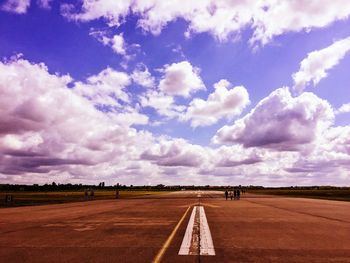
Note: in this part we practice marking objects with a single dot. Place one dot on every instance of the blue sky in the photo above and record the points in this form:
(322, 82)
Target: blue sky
(78, 40)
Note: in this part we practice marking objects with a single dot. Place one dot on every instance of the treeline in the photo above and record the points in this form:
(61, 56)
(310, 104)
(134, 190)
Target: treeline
(49, 187)
(81, 187)
(326, 187)
(160, 187)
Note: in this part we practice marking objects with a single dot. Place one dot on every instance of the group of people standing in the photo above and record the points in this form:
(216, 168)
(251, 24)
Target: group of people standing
(235, 194)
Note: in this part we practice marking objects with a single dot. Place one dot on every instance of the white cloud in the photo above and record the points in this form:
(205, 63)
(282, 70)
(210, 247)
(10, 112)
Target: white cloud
(107, 91)
(236, 155)
(16, 6)
(162, 103)
(280, 122)
(22, 6)
(317, 63)
(116, 42)
(223, 102)
(143, 77)
(129, 116)
(51, 129)
(175, 152)
(345, 108)
(105, 88)
(276, 17)
(112, 11)
(330, 159)
(46, 4)
(180, 79)
(51, 132)
(336, 140)
(222, 19)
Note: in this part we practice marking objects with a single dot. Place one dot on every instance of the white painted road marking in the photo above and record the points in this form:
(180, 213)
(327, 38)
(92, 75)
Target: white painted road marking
(189, 244)
(186, 242)
(206, 246)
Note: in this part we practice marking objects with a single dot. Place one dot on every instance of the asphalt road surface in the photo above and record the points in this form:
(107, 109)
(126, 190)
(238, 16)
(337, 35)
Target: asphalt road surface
(256, 228)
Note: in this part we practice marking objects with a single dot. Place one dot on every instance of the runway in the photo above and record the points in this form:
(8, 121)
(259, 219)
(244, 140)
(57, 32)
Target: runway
(256, 228)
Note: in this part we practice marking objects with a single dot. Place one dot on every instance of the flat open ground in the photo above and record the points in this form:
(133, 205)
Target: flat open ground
(256, 228)
(24, 198)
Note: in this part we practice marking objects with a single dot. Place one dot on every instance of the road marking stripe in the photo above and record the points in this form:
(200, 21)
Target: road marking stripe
(186, 242)
(206, 246)
(206, 242)
(166, 244)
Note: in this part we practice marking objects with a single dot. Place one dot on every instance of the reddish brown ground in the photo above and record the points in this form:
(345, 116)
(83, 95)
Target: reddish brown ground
(254, 229)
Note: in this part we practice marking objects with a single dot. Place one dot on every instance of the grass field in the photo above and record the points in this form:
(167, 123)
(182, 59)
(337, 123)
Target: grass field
(40, 198)
(334, 194)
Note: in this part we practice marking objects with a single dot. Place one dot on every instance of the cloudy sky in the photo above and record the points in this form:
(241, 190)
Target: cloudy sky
(175, 92)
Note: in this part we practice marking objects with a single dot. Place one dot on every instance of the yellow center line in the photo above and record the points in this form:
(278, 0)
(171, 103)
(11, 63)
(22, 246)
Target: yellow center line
(166, 244)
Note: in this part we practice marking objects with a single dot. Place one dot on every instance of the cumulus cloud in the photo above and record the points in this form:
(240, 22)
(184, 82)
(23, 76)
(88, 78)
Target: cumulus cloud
(276, 17)
(46, 4)
(336, 139)
(107, 92)
(330, 160)
(317, 64)
(180, 79)
(223, 102)
(162, 103)
(175, 152)
(345, 108)
(116, 42)
(236, 155)
(16, 6)
(22, 6)
(105, 88)
(222, 19)
(280, 122)
(52, 129)
(112, 11)
(143, 77)
(128, 116)
(54, 132)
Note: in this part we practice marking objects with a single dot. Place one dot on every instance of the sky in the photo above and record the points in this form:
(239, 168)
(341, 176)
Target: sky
(143, 92)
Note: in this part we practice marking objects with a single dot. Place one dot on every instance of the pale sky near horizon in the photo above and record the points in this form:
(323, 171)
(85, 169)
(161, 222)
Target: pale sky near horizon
(175, 92)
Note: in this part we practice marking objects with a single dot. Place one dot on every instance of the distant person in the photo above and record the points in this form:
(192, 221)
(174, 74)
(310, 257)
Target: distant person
(226, 194)
(231, 195)
(86, 193)
(238, 194)
(235, 194)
